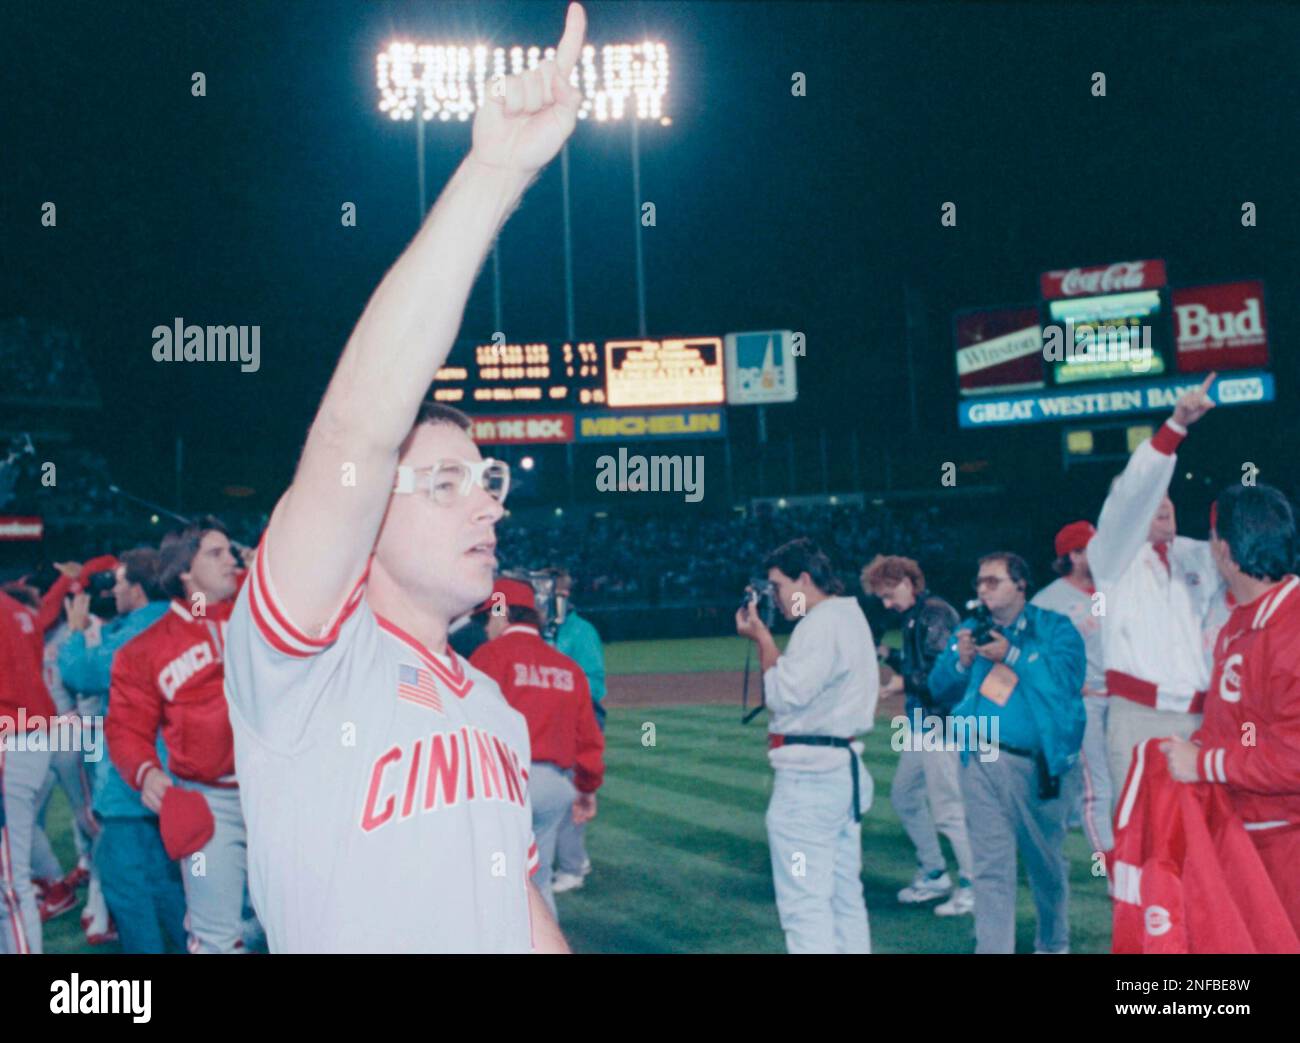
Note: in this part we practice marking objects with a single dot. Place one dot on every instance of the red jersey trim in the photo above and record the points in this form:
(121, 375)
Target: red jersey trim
(452, 676)
(273, 621)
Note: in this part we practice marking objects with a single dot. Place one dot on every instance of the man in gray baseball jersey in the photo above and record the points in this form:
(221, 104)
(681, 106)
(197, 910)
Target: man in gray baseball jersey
(1074, 596)
(384, 781)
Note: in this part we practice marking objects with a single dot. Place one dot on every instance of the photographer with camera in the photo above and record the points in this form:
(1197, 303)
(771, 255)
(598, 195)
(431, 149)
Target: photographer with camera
(141, 885)
(820, 692)
(926, 792)
(1019, 671)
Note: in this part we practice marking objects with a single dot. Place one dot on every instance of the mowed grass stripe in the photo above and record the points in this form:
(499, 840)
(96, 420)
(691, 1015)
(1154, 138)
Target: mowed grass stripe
(716, 838)
(694, 903)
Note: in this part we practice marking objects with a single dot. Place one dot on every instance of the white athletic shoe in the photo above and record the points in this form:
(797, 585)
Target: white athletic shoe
(566, 882)
(925, 888)
(962, 903)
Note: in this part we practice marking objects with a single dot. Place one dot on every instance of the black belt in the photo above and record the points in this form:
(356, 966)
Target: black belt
(777, 741)
(1017, 751)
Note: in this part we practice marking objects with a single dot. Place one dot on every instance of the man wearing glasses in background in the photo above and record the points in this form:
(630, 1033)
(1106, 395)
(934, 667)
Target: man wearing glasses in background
(1019, 672)
(384, 780)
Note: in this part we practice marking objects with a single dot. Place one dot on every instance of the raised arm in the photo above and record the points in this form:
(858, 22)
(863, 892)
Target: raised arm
(1136, 494)
(324, 527)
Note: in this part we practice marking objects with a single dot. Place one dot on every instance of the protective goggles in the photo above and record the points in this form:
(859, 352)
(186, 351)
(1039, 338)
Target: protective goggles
(446, 480)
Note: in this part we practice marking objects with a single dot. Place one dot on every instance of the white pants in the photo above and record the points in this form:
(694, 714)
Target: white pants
(817, 860)
(22, 775)
(1129, 723)
(215, 877)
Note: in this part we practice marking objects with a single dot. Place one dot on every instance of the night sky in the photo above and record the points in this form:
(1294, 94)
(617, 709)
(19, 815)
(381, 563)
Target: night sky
(773, 211)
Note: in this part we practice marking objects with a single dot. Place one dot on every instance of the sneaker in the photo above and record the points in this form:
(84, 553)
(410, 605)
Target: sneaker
(79, 875)
(925, 887)
(42, 884)
(102, 937)
(962, 903)
(566, 882)
(59, 899)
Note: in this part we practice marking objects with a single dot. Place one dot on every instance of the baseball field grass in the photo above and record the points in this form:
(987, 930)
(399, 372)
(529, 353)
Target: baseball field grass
(679, 847)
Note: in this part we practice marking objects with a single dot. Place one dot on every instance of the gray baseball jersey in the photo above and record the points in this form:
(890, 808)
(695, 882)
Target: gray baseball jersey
(1077, 605)
(385, 788)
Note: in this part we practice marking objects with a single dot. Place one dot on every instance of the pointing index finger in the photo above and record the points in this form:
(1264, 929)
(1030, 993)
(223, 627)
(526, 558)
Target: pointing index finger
(570, 45)
(1205, 384)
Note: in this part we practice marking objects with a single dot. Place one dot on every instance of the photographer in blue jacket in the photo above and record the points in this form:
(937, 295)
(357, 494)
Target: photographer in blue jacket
(141, 884)
(1018, 670)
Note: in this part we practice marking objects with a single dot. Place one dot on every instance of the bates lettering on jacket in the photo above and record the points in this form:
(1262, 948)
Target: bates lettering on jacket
(530, 675)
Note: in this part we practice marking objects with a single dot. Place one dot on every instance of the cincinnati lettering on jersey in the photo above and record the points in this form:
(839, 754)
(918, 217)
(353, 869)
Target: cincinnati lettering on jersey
(439, 772)
(529, 675)
(183, 667)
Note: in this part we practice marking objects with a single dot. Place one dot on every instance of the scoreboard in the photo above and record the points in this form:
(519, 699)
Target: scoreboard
(564, 375)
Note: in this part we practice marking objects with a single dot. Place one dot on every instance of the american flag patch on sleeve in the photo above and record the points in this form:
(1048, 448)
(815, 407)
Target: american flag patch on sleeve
(416, 686)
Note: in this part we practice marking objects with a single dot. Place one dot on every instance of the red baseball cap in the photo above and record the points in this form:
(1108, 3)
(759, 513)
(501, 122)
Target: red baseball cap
(516, 593)
(185, 822)
(1074, 536)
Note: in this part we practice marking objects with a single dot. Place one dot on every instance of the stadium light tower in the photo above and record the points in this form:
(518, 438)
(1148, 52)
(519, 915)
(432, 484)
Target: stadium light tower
(448, 82)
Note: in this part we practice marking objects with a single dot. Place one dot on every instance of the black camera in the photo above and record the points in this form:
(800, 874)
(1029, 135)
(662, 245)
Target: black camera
(762, 594)
(985, 627)
(100, 588)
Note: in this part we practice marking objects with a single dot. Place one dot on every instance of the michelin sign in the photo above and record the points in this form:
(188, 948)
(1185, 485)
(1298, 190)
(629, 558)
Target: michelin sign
(760, 368)
(1239, 389)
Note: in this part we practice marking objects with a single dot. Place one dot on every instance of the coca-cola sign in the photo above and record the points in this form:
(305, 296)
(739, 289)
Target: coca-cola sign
(1220, 327)
(1122, 277)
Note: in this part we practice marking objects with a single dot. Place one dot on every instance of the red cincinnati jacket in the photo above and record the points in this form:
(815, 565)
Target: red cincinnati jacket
(172, 676)
(22, 653)
(1184, 874)
(1251, 731)
(551, 691)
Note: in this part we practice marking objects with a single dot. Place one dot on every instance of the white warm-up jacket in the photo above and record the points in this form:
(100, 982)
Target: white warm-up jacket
(1160, 622)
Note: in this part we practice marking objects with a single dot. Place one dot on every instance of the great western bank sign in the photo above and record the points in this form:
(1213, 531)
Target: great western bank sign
(1113, 400)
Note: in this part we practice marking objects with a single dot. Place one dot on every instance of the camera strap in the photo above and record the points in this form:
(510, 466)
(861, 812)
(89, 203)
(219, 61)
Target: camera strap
(746, 714)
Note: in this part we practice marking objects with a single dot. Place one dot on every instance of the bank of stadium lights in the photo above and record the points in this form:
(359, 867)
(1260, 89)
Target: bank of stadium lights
(450, 81)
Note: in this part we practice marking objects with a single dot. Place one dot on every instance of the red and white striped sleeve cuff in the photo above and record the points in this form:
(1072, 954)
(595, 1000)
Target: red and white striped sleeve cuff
(143, 770)
(269, 614)
(1167, 439)
(1209, 765)
(534, 862)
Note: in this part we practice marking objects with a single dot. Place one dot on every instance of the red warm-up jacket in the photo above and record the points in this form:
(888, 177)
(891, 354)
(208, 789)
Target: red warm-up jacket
(1185, 876)
(22, 652)
(551, 691)
(172, 676)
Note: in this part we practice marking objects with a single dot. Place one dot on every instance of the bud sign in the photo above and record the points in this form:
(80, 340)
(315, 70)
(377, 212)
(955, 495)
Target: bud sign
(1220, 327)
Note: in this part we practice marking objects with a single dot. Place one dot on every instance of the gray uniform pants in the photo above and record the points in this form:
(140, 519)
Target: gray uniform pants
(926, 796)
(22, 775)
(1004, 813)
(552, 796)
(1129, 723)
(215, 877)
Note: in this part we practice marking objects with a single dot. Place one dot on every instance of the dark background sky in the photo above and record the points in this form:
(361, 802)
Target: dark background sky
(809, 213)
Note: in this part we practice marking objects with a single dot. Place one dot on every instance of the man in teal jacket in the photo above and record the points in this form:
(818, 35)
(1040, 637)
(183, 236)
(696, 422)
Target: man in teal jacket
(577, 639)
(142, 886)
(1021, 694)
